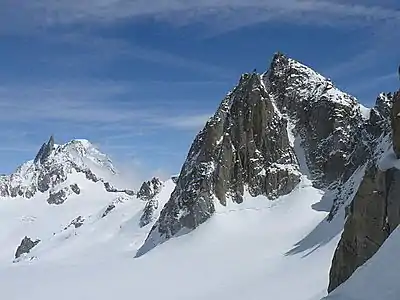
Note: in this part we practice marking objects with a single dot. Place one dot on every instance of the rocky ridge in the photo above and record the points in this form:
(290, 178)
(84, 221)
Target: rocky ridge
(149, 192)
(271, 129)
(52, 167)
(374, 213)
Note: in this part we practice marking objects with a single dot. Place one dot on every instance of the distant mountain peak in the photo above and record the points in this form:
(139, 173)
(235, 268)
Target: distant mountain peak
(52, 167)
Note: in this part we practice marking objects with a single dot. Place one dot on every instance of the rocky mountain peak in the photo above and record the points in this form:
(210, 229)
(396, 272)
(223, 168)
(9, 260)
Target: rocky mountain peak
(244, 146)
(249, 144)
(45, 151)
(328, 121)
(266, 130)
(52, 169)
(149, 189)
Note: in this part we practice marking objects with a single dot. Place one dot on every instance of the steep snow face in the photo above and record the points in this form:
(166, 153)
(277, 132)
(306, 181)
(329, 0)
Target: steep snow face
(377, 278)
(52, 169)
(252, 250)
(85, 155)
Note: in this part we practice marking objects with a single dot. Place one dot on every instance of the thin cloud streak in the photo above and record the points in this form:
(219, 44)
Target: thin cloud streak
(48, 13)
(107, 49)
(95, 103)
(371, 84)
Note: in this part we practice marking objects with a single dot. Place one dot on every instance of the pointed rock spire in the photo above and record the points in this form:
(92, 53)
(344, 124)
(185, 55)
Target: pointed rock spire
(45, 151)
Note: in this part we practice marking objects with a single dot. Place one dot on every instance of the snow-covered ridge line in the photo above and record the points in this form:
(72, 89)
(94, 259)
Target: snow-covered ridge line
(52, 167)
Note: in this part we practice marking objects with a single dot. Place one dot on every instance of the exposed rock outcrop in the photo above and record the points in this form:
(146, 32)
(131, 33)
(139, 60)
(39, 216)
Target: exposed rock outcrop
(249, 144)
(148, 212)
(26, 246)
(149, 192)
(76, 223)
(112, 189)
(149, 189)
(328, 121)
(45, 151)
(396, 124)
(58, 197)
(373, 214)
(245, 144)
(75, 188)
(108, 210)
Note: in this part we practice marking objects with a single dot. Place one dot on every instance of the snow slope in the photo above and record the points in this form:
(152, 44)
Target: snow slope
(37, 219)
(260, 249)
(377, 278)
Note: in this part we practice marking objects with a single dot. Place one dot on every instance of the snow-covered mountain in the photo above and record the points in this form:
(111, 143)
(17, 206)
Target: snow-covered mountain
(55, 170)
(257, 211)
(65, 187)
(267, 132)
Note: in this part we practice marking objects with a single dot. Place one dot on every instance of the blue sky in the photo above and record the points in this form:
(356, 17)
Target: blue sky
(139, 78)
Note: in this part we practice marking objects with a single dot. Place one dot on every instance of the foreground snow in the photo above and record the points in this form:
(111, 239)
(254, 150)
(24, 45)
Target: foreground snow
(260, 249)
(377, 278)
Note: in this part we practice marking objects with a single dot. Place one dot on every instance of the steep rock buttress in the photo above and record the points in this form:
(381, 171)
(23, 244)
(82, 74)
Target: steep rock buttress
(250, 144)
(244, 145)
(374, 212)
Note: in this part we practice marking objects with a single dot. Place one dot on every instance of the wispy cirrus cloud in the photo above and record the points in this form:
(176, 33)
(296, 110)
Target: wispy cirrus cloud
(93, 102)
(97, 110)
(45, 13)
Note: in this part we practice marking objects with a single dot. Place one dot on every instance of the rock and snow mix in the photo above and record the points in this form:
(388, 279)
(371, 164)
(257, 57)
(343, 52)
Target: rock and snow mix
(266, 184)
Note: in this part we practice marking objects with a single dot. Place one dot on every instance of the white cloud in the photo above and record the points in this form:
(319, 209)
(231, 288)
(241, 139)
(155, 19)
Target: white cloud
(191, 121)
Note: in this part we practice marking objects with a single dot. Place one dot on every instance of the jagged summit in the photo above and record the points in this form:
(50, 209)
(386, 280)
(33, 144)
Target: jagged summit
(44, 151)
(53, 168)
(271, 129)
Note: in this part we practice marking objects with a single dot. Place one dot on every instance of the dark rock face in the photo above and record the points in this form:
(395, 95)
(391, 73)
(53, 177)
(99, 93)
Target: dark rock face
(77, 222)
(396, 124)
(75, 188)
(149, 189)
(380, 115)
(245, 144)
(112, 189)
(108, 210)
(372, 216)
(58, 198)
(329, 122)
(45, 151)
(26, 246)
(109, 187)
(372, 131)
(40, 153)
(148, 212)
(148, 192)
(88, 173)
